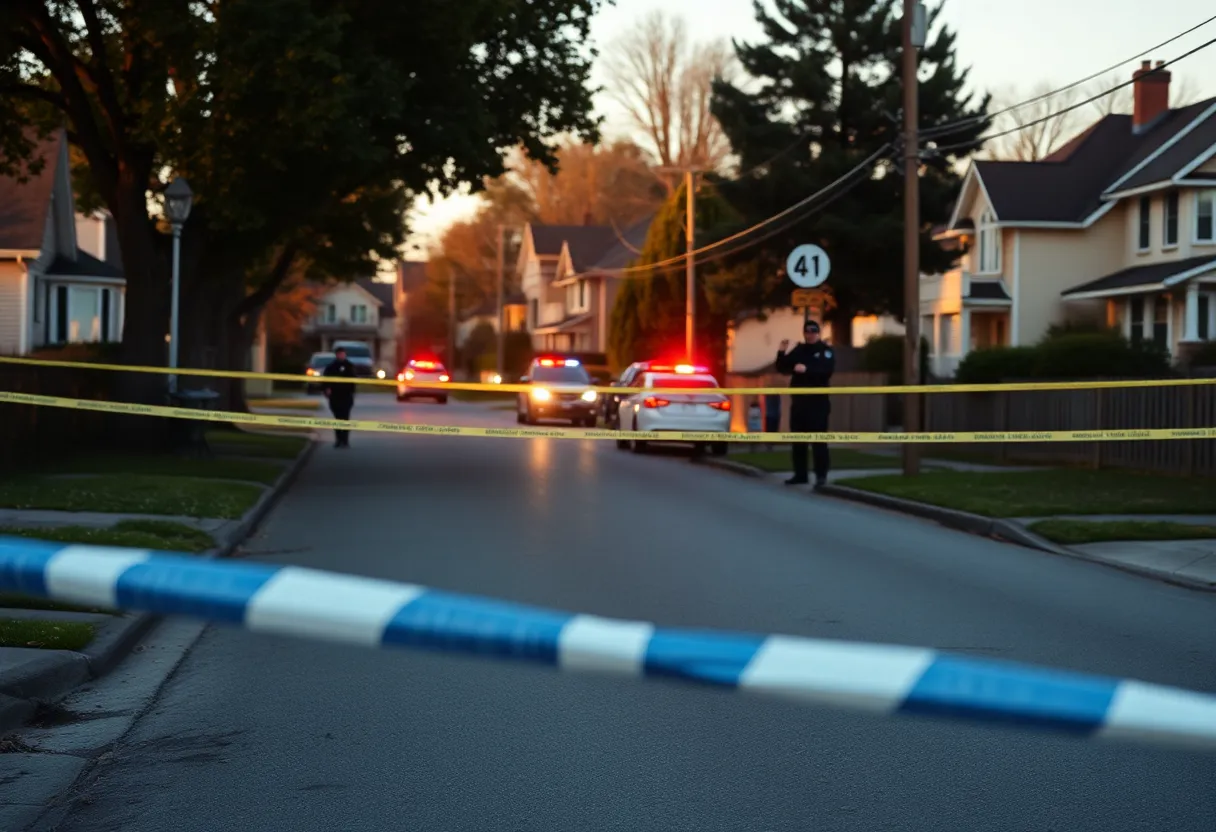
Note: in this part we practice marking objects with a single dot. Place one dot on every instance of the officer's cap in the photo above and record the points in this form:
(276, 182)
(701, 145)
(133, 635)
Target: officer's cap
(810, 326)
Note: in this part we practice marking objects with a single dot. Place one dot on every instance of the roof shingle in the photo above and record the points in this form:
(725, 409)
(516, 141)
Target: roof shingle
(1153, 274)
(24, 205)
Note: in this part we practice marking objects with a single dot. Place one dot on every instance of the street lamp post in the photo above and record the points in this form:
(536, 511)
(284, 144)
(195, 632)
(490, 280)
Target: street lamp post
(178, 199)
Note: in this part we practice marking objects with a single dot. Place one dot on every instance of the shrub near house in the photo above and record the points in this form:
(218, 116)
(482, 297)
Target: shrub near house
(1066, 356)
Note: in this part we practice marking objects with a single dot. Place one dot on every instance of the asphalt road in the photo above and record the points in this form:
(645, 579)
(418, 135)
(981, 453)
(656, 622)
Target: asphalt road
(261, 733)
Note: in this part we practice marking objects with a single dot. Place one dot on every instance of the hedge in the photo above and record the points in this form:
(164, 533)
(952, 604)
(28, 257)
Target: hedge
(1065, 357)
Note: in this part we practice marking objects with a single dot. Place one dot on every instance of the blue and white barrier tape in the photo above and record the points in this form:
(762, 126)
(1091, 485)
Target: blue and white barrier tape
(879, 678)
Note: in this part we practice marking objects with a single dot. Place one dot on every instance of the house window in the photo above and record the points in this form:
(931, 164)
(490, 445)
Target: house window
(989, 243)
(1205, 303)
(358, 313)
(1136, 319)
(61, 315)
(945, 334)
(1169, 225)
(330, 313)
(1144, 237)
(1205, 208)
(532, 313)
(105, 316)
(582, 294)
(1161, 322)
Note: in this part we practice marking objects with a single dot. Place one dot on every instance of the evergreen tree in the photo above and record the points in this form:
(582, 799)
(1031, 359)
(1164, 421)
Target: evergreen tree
(824, 93)
(648, 316)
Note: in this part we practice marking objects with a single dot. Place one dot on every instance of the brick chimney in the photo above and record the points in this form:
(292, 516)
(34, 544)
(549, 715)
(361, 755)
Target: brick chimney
(1152, 95)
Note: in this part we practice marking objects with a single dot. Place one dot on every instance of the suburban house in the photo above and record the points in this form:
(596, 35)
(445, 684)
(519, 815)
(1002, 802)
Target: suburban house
(372, 310)
(1117, 226)
(61, 278)
(514, 312)
(569, 277)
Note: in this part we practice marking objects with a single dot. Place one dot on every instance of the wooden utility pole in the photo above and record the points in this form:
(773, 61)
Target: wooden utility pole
(502, 317)
(913, 38)
(451, 356)
(690, 267)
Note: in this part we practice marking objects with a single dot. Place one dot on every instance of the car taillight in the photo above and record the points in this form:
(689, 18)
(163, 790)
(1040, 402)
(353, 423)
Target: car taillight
(720, 405)
(445, 377)
(654, 401)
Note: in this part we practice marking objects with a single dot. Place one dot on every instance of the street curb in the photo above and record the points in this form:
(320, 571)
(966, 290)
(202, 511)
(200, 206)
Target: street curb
(1006, 530)
(734, 467)
(113, 643)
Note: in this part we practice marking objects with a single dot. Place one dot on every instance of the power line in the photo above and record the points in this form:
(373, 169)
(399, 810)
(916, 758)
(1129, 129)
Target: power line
(966, 123)
(866, 165)
(1078, 105)
(842, 191)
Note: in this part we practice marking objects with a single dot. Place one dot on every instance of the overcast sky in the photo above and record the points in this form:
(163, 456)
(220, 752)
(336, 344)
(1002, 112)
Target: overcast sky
(1006, 44)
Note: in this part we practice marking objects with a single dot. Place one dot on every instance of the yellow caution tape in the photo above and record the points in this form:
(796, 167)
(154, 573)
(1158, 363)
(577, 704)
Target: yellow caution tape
(738, 391)
(270, 420)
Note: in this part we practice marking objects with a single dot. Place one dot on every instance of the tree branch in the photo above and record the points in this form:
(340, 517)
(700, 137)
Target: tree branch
(37, 93)
(100, 69)
(279, 272)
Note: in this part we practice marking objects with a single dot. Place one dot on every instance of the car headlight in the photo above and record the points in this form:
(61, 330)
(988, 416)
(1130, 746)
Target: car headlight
(409, 374)
(379, 373)
(496, 379)
(589, 396)
(541, 394)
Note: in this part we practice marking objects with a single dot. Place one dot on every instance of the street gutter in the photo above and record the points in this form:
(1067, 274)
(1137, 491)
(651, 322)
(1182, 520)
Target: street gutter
(1008, 531)
(53, 674)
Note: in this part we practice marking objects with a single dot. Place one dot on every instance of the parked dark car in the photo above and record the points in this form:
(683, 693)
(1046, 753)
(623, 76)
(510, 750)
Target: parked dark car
(316, 366)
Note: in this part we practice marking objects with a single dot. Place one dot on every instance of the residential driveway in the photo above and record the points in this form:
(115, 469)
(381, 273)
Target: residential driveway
(254, 732)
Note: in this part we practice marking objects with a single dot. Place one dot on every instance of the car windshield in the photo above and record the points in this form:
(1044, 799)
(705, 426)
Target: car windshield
(321, 359)
(682, 383)
(574, 375)
(357, 351)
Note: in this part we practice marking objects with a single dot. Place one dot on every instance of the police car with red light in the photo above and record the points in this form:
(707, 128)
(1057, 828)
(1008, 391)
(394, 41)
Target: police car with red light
(698, 410)
(423, 379)
(559, 388)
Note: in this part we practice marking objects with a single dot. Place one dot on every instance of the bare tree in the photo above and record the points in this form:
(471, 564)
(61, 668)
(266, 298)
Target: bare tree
(1042, 126)
(663, 82)
(1183, 91)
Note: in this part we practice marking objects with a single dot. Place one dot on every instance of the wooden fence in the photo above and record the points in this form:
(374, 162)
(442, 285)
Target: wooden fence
(849, 413)
(1108, 409)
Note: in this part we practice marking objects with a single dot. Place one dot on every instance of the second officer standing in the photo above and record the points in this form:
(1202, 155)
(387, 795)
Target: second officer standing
(810, 364)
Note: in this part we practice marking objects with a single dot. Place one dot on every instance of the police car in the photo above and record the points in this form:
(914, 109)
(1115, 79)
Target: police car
(630, 378)
(559, 388)
(422, 378)
(698, 410)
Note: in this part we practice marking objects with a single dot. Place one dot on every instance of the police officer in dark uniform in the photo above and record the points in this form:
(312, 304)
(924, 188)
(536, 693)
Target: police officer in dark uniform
(810, 364)
(341, 396)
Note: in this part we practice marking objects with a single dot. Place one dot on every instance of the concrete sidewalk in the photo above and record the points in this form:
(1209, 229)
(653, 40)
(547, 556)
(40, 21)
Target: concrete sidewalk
(32, 677)
(1189, 563)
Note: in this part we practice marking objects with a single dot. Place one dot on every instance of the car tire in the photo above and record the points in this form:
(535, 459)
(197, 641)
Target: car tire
(719, 448)
(590, 422)
(640, 446)
(442, 399)
(402, 398)
(622, 444)
(520, 419)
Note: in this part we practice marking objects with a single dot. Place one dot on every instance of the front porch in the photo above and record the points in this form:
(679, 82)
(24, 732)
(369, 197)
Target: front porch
(574, 334)
(1171, 304)
(961, 313)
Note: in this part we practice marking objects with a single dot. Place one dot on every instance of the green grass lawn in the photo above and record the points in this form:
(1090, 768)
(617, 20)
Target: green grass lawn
(169, 465)
(133, 534)
(48, 635)
(1101, 531)
(1049, 492)
(130, 494)
(246, 443)
(842, 459)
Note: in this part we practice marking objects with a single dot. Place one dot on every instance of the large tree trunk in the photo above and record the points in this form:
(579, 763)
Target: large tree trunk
(145, 319)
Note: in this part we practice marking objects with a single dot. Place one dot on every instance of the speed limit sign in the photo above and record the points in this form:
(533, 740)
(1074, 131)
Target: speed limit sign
(808, 266)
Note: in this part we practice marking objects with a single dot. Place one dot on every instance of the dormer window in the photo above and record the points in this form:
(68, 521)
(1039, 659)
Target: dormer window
(988, 235)
(1144, 234)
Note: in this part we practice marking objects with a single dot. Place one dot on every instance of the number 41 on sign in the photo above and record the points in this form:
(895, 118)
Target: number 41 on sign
(808, 266)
